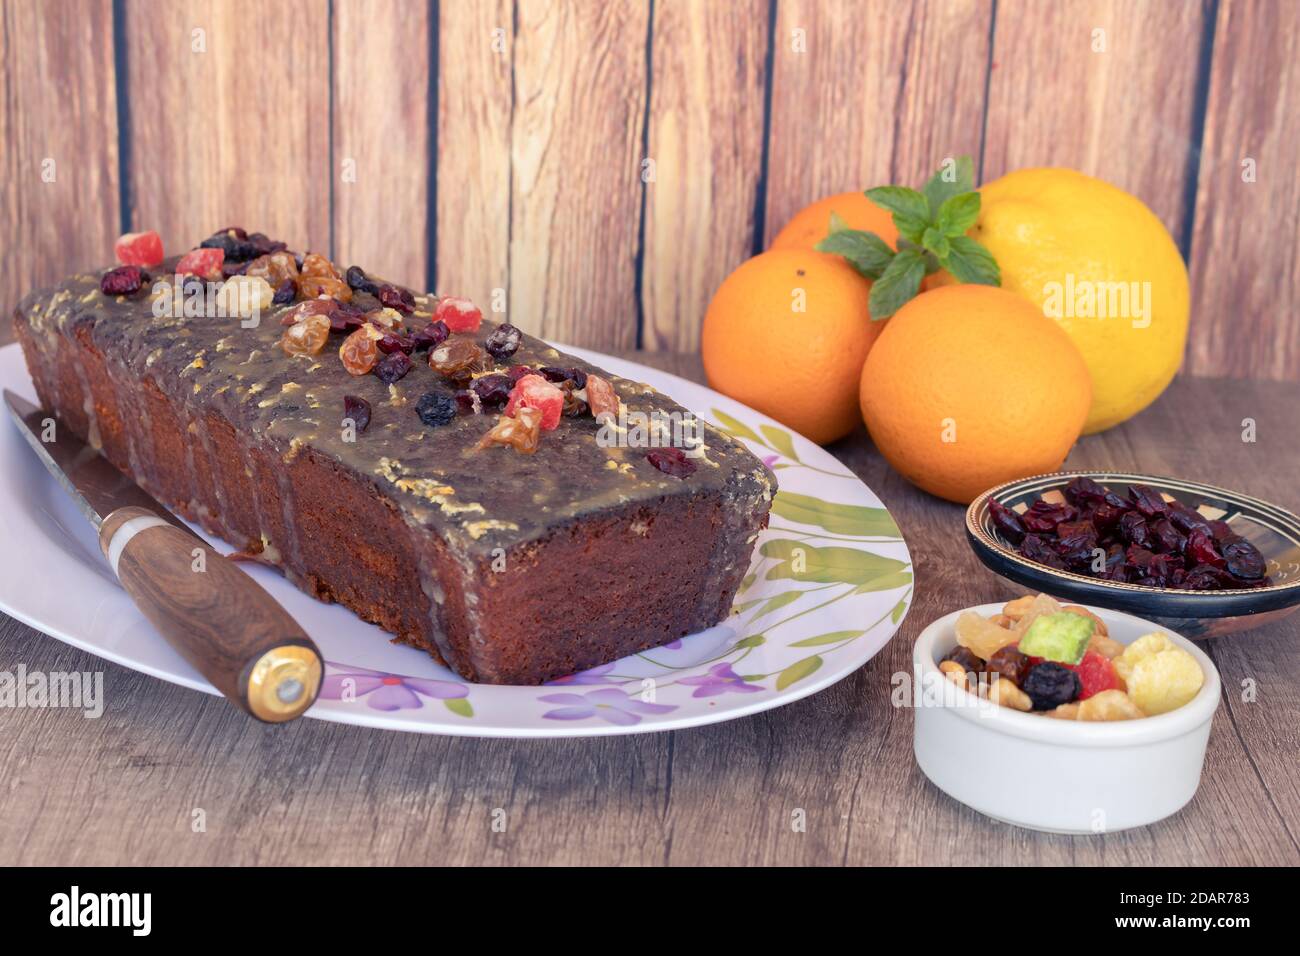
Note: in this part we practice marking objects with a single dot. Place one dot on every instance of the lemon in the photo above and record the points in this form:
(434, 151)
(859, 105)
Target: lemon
(1101, 264)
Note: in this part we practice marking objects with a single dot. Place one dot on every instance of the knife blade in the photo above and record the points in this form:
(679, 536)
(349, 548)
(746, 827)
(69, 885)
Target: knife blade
(219, 619)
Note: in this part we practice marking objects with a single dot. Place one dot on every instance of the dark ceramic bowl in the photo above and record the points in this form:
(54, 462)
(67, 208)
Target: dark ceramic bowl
(1195, 614)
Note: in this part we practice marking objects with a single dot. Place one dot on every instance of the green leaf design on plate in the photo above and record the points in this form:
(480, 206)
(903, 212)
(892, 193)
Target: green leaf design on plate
(887, 583)
(754, 640)
(747, 583)
(780, 440)
(802, 562)
(460, 705)
(836, 518)
(734, 426)
(896, 614)
(834, 637)
(778, 602)
(741, 608)
(797, 671)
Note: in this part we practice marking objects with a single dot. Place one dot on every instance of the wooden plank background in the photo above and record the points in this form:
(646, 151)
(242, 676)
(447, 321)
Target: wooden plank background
(594, 169)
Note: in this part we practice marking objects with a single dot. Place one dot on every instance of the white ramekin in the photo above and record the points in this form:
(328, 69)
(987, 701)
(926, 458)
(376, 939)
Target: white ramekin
(1056, 775)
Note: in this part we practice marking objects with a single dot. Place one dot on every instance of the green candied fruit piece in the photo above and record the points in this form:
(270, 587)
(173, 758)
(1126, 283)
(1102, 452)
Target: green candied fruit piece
(1059, 637)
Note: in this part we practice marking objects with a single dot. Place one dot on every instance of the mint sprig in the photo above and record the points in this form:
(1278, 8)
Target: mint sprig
(932, 225)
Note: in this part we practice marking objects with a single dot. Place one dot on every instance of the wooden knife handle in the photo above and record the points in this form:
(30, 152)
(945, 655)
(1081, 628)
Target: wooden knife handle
(215, 615)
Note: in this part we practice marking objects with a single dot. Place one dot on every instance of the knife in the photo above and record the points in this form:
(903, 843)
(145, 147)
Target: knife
(215, 615)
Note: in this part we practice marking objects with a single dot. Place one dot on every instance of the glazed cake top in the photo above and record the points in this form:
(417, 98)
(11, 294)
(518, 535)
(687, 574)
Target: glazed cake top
(477, 498)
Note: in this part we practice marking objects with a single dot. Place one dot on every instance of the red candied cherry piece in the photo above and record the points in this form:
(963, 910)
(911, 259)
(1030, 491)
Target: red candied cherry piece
(461, 315)
(1096, 674)
(533, 391)
(139, 249)
(204, 263)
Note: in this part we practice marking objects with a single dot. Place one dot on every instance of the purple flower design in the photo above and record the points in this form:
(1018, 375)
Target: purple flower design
(720, 679)
(771, 460)
(383, 691)
(609, 704)
(595, 675)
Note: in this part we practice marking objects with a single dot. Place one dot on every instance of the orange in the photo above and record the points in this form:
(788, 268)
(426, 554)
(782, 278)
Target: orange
(811, 224)
(1102, 265)
(970, 386)
(786, 333)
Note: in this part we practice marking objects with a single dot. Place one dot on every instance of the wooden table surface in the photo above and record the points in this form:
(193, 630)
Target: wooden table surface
(125, 788)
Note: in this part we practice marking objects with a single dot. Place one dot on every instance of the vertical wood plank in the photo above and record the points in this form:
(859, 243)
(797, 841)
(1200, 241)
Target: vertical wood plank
(1117, 104)
(576, 143)
(475, 99)
(230, 119)
(58, 142)
(1246, 239)
(706, 141)
(381, 137)
(867, 92)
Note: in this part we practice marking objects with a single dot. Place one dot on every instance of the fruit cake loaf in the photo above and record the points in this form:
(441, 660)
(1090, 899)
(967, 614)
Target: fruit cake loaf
(462, 485)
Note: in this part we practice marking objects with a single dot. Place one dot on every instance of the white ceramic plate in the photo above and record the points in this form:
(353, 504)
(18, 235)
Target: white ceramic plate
(831, 581)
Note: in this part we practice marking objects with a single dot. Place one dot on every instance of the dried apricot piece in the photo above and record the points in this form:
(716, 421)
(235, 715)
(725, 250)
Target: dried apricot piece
(522, 432)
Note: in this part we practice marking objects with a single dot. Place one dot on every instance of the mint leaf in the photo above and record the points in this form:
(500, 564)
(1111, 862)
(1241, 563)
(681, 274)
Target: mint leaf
(837, 222)
(958, 213)
(899, 283)
(970, 262)
(935, 241)
(865, 251)
(911, 209)
(931, 260)
(952, 179)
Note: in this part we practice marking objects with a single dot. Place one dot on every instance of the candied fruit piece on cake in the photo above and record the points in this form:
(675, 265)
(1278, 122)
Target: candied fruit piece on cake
(139, 249)
(533, 391)
(522, 431)
(461, 315)
(204, 263)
